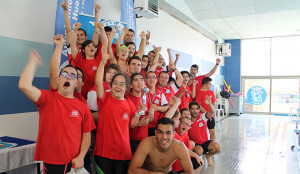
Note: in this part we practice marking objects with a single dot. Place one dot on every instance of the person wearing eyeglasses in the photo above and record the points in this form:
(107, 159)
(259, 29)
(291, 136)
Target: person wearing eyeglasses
(181, 134)
(157, 99)
(65, 122)
(116, 115)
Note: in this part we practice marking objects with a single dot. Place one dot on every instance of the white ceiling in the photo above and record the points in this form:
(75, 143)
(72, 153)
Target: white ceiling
(243, 19)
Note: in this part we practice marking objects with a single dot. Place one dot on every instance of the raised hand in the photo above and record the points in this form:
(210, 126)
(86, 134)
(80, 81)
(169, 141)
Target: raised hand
(218, 61)
(64, 5)
(58, 40)
(100, 26)
(207, 100)
(195, 82)
(143, 35)
(125, 30)
(97, 7)
(177, 56)
(157, 50)
(76, 26)
(169, 50)
(35, 57)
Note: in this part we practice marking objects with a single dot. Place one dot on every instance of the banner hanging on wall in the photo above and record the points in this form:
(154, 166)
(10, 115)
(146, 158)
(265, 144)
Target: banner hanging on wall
(128, 15)
(88, 23)
(74, 7)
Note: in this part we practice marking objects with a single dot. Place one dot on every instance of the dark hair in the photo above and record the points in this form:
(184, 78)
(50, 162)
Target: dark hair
(195, 66)
(171, 79)
(152, 52)
(112, 66)
(147, 61)
(194, 103)
(185, 72)
(79, 69)
(129, 43)
(206, 80)
(82, 30)
(131, 30)
(150, 72)
(135, 74)
(83, 45)
(175, 114)
(107, 29)
(163, 72)
(132, 58)
(67, 67)
(184, 109)
(188, 118)
(165, 121)
(120, 73)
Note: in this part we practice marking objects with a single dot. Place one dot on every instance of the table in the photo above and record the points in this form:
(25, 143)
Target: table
(19, 153)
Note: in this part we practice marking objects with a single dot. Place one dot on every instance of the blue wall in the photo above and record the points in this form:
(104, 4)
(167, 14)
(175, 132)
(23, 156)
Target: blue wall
(232, 66)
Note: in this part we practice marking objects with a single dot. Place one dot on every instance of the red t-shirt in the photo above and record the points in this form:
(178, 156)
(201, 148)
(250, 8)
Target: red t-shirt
(143, 72)
(76, 95)
(89, 68)
(168, 91)
(92, 96)
(113, 128)
(198, 131)
(62, 121)
(198, 85)
(185, 97)
(139, 132)
(201, 97)
(158, 99)
(186, 141)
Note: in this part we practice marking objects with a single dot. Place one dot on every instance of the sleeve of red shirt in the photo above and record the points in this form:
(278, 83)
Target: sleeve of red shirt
(42, 100)
(213, 97)
(88, 121)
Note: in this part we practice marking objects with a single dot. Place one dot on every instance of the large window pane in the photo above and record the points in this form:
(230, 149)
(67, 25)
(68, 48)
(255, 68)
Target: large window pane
(257, 95)
(255, 57)
(285, 95)
(285, 53)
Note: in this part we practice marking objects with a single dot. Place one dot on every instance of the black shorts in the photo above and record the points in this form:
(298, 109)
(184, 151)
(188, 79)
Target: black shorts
(172, 172)
(211, 124)
(151, 131)
(105, 165)
(133, 145)
(204, 146)
(57, 169)
(195, 164)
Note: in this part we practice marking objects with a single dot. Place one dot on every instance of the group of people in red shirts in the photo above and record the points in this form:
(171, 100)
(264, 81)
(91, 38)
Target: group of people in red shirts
(139, 109)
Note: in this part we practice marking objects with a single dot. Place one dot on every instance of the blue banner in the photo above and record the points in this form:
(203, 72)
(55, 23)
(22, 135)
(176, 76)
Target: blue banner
(88, 22)
(128, 15)
(74, 7)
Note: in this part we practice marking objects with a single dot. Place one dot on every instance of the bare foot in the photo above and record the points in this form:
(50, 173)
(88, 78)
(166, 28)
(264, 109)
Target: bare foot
(209, 162)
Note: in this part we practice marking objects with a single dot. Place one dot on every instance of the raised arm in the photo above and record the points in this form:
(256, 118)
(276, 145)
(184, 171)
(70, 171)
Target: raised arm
(104, 40)
(179, 77)
(140, 53)
(181, 93)
(99, 76)
(193, 93)
(121, 37)
(78, 162)
(95, 38)
(154, 65)
(176, 60)
(134, 121)
(211, 107)
(170, 57)
(55, 60)
(64, 5)
(73, 39)
(25, 82)
(173, 107)
(139, 157)
(212, 71)
(112, 58)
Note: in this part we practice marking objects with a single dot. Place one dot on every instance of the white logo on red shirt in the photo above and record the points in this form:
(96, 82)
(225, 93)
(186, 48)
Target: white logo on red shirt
(74, 113)
(125, 116)
(94, 68)
(156, 101)
(201, 124)
(168, 91)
